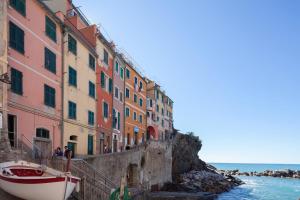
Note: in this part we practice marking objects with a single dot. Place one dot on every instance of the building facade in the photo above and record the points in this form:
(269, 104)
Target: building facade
(105, 94)
(135, 106)
(152, 126)
(35, 68)
(118, 103)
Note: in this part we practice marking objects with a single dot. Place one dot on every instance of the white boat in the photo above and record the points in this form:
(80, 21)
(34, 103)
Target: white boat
(36, 182)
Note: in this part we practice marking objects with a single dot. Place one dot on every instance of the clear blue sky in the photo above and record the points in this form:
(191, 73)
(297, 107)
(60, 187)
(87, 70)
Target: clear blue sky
(232, 68)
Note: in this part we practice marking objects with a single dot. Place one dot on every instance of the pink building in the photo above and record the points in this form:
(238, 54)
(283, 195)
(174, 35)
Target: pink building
(35, 64)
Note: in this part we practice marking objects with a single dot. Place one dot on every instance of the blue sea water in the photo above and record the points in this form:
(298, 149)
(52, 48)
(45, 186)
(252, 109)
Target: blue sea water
(262, 188)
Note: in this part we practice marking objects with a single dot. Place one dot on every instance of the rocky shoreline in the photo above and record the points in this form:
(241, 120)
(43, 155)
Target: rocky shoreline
(269, 173)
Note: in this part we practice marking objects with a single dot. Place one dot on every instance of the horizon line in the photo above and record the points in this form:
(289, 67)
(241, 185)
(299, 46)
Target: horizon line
(253, 163)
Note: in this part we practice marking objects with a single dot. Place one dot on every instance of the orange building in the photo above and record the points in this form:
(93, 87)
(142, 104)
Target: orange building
(135, 106)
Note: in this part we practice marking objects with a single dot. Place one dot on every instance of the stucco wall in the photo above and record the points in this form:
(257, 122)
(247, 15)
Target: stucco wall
(153, 161)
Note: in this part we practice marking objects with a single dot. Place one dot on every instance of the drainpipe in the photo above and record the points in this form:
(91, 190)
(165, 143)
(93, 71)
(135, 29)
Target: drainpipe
(62, 86)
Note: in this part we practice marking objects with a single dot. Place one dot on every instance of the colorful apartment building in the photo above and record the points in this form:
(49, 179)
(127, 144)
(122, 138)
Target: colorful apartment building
(105, 94)
(79, 83)
(159, 112)
(35, 68)
(135, 106)
(118, 103)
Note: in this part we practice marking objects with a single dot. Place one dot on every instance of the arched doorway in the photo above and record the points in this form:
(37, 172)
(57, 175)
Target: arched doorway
(151, 133)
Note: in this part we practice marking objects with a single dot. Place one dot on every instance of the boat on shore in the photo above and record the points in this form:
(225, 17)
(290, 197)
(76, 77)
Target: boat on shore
(32, 181)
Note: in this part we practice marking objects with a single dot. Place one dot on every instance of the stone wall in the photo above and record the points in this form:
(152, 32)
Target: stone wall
(146, 166)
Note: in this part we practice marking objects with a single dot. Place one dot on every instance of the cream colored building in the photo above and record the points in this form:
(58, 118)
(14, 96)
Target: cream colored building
(79, 94)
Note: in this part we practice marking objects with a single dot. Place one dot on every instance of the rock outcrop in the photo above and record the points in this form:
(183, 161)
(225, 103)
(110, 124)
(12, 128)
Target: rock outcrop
(191, 174)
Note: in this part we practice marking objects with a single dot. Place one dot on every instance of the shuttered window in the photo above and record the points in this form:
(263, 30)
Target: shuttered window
(19, 5)
(16, 81)
(50, 60)
(103, 80)
(91, 118)
(105, 56)
(72, 110)
(42, 133)
(91, 89)
(110, 88)
(92, 62)
(141, 102)
(50, 29)
(72, 45)
(49, 96)
(105, 110)
(127, 74)
(134, 98)
(72, 77)
(16, 38)
(127, 112)
(122, 73)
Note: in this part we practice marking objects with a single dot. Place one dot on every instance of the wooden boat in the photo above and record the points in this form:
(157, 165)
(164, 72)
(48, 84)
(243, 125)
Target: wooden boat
(36, 182)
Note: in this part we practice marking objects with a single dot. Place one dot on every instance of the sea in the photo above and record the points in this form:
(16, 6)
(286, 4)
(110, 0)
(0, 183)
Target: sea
(262, 188)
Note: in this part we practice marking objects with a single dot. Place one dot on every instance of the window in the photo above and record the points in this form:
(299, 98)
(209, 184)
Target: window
(157, 108)
(151, 103)
(50, 29)
(72, 110)
(121, 96)
(50, 60)
(91, 118)
(135, 80)
(19, 5)
(49, 96)
(42, 133)
(134, 116)
(105, 110)
(162, 111)
(103, 80)
(162, 123)
(114, 119)
(117, 67)
(116, 92)
(127, 112)
(141, 85)
(16, 81)
(134, 98)
(91, 89)
(92, 62)
(16, 38)
(72, 77)
(141, 118)
(110, 86)
(105, 56)
(72, 45)
(127, 74)
(127, 93)
(122, 73)
(141, 102)
(148, 114)
(157, 119)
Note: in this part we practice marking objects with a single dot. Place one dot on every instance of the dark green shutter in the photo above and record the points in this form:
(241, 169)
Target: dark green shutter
(50, 28)
(19, 5)
(16, 81)
(110, 85)
(102, 80)
(16, 38)
(119, 119)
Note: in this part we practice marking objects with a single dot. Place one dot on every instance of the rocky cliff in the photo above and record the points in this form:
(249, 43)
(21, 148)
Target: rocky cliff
(191, 174)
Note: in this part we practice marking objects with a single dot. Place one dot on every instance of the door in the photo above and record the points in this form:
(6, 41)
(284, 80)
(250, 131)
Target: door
(72, 147)
(115, 144)
(12, 133)
(90, 145)
(44, 148)
(101, 146)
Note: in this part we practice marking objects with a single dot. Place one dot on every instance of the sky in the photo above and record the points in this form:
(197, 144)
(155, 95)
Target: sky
(232, 68)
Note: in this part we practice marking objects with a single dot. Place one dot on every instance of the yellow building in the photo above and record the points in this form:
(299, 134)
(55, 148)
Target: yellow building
(79, 92)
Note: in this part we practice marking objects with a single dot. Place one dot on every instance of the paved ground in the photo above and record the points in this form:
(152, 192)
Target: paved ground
(6, 196)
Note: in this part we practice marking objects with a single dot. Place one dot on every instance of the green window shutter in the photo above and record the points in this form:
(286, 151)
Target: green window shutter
(91, 118)
(91, 89)
(72, 110)
(72, 77)
(19, 5)
(110, 85)
(119, 120)
(72, 45)
(50, 29)
(16, 38)
(50, 60)
(122, 73)
(114, 118)
(134, 98)
(141, 102)
(49, 96)
(127, 74)
(16, 81)
(127, 112)
(92, 62)
(102, 80)
(105, 110)
(105, 56)
(117, 67)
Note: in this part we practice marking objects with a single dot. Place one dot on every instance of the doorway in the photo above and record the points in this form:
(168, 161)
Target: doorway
(90, 145)
(12, 130)
(115, 144)
(72, 147)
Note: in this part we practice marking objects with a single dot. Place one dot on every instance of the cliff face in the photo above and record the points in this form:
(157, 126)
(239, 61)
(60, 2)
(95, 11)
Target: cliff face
(185, 155)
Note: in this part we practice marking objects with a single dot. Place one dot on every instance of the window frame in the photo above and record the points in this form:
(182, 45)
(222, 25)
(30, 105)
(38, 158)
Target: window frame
(72, 44)
(49, 97)
(15, 40)
(17, 86)
(14, 4)
(50, 26)
(72, 110)
(72, 80)
(48, 55)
